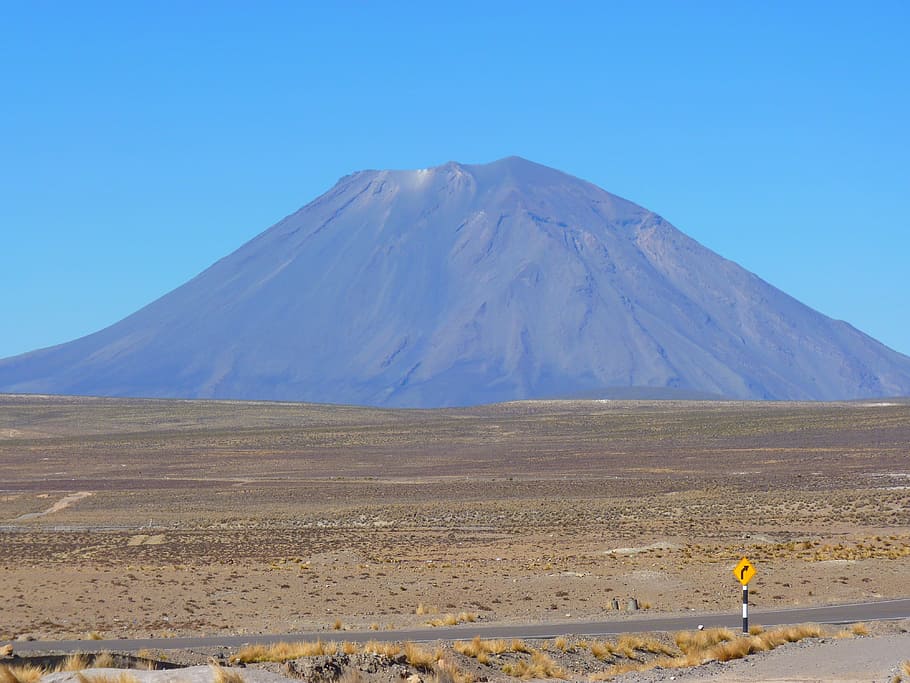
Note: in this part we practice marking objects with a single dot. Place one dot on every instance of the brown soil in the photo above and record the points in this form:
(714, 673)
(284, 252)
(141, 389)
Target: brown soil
(209, 517)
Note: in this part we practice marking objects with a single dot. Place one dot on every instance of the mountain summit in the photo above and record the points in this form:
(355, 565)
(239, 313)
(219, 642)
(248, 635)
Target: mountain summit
(466, 284)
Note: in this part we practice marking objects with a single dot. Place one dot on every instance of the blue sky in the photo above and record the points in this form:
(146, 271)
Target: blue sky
(142, 141)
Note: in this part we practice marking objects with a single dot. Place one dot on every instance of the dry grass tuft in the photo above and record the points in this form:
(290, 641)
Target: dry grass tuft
(519, 646)
(790, 634)
(338, 625)
(281, 652)
(453, 619)
(496, 647)
(477, 649)
(690, 642)
(122, 677)
(860, 629)
(253, 653)
(26, 673)
(470, 649)
(540, 666)
(76, 662)
(222, 675)
(105, 660)
(447, 672)
(561, 643)
(905, 667)
(6, 650)
(643, 644)
(426, 609)
(482, 649)
(421, 659)
(603, 650)
(737, 649)
(854, 631)
(375, 647)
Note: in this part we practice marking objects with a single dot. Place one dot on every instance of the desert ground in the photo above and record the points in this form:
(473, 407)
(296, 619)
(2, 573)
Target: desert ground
(123, 517)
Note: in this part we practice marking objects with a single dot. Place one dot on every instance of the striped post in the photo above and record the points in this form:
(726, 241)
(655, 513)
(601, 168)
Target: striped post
(745, 609)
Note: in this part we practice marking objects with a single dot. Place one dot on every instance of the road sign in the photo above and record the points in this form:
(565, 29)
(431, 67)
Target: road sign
(744, 571)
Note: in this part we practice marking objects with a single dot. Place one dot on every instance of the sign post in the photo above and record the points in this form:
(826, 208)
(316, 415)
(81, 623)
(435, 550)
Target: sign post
(745, 609)
(744, 571)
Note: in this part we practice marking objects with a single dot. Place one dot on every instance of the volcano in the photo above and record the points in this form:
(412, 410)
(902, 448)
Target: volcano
(468, 284)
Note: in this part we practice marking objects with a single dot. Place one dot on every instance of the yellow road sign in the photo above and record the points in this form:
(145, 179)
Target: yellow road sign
(744, 571)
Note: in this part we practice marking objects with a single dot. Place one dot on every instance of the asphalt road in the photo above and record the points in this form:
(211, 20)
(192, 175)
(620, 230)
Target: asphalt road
(832, 614)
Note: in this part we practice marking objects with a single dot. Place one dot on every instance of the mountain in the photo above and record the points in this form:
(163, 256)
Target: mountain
(467, 284)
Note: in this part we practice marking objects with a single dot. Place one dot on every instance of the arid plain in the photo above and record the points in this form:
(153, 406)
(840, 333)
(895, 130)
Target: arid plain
(131, 517)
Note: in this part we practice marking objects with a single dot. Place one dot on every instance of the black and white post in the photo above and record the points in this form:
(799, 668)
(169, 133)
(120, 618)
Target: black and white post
(745, 609)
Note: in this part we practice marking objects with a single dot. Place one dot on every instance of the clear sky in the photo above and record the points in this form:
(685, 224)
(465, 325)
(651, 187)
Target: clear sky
(141, 141)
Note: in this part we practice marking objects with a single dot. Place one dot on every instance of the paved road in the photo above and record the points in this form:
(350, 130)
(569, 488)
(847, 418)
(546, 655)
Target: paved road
(833, 614)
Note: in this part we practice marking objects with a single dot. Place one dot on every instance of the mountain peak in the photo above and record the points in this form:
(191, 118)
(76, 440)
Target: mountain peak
(520, 170)
(511, 168)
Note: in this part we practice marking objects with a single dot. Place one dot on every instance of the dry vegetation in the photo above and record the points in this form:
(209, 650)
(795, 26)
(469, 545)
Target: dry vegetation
(281, 652)
(698, 647)
(561, 658)
(540, 665)
(230, 517)
(453, 619)
(121, 677)
(495, 660)
(414, 655)
(32, 673)
(222, 675)
(27, 673)
(481, 650)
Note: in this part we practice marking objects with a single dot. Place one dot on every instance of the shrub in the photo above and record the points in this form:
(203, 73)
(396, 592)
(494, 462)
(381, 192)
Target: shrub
(540, 666)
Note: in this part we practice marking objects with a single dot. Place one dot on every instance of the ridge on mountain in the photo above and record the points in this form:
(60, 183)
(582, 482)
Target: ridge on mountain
(464, 284)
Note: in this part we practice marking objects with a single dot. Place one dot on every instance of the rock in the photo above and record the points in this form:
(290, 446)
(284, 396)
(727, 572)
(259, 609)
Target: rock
(322, 669)
(371, 663)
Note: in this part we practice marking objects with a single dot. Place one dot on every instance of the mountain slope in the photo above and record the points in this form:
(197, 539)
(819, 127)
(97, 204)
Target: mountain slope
(468, 284)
